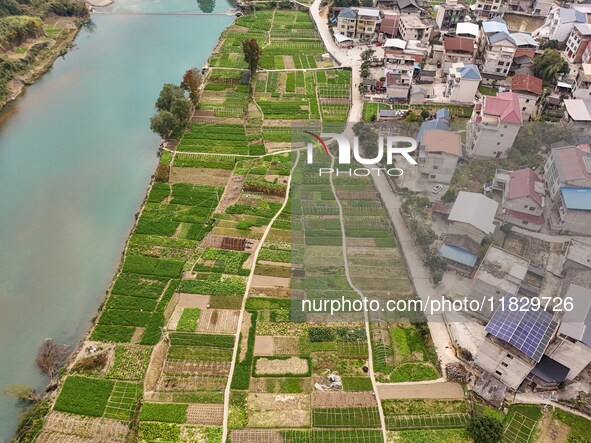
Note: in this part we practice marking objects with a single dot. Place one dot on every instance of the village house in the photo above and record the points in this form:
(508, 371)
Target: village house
(439, 152)
(414, 27)
(533, 7)
(567, 166)
(418, 94)
(467, 29)
(389, 26)
(577, 42)
(462, 83)
(560, 23)
(524, 200)
(578, 116)
(515, 342)
(358, 23)
(496, 49)
(487, 8)
(449, 14)
(473, 215)
(572, 347)
(459, 49)
(571, 214)
(494, 125)
(586, 58)
(529, 89)
(582, 87)
(460, 253)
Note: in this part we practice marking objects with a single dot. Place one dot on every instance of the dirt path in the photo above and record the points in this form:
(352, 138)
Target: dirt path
(439, 390)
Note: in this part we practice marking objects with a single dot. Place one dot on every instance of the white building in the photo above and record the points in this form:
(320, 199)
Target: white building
(473, 215)
(577, 42)
(529, 89)
(413, 27)
(578, 115)
(494, 125)
(582, 86)
(560, 22)
(524, 200)
(462, 83)
(439, 152)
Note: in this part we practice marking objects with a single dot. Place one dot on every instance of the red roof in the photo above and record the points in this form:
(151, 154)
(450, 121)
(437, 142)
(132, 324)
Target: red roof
(389, 24)
(505, 106)
(530, 218)
(570, 163)
(527, 83)
(522, 183)
(465, 44)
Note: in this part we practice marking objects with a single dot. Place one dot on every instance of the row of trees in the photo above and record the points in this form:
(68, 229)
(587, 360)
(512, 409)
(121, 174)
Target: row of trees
(43, 8)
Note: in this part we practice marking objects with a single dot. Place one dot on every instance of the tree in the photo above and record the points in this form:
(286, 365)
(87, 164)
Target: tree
(181, 109)
(367, 55)
(164, 123)
(485, 429)
(167, 94)
(23, 393)
(252, 54)
(191, 83)
(548, 65)
(364, 71)
(425, 114)
(51, 357)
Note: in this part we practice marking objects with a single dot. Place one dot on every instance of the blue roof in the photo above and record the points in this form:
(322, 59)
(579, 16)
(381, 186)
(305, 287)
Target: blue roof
(443, 113)
(516, 322)
(577, 198)
(470, 72)
(491, 26)
(458, 255)
(348, 13)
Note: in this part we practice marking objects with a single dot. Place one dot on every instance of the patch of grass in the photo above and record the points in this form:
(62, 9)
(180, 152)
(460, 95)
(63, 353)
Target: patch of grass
(130, 363)
(164, 412)
(356, 384)
(430, 436)
(580, 427)
(189, 319)
(413, 372)
(366, 417)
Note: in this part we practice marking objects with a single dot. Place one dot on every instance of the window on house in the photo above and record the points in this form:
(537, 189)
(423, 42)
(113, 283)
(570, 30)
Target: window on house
(503, 364)
(498, 143)
(435, 167)
(499, 373)
(526, 101)
(509, 356)
(498, 292)
(525, 223)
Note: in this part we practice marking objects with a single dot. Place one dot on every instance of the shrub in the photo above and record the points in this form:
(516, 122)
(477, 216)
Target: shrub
(320, 334)
(485, 429)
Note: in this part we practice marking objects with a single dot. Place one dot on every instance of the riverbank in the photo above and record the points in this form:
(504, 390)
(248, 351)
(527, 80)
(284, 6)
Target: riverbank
(47, 51)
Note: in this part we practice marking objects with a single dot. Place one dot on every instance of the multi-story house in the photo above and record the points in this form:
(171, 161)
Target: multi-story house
(577, 116)
(586, 58)
(524, 199)
(529, 89)
(462, 83)
(459, 49)
(496, 49)
(573, 209)
(577, 42)
(450, 14)
(358, 23)
(582, 86)
(560, 22)
(533, 7)
(569, 166)
(439, 152)
(414, 27)
(473, 215)
(467, 29)
(487, 8)
(494, 125)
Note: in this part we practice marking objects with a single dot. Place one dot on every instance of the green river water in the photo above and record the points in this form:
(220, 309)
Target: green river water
(76, 156)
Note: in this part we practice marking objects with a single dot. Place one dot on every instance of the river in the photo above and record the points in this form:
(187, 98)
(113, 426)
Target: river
(76, 156)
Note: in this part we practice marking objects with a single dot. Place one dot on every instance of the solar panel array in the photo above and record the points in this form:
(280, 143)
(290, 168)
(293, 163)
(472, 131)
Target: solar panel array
(528, 330)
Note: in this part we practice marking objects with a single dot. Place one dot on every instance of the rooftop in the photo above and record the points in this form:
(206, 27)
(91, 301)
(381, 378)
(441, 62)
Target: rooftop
(579, 109)
(395, 43)
(550, 370)
(583, 28)
(505, 106)
(579, 252)
(348, 13)
(571, 163)
(415, 21)
(526, 183)
(438, 140)
(465, 44)
(368, 12)
(494, 26)
(526, 329)
(476, 210)
(578, 199)
(502, 269)
(467, 28)
(527, 83)
(568, 15)
(441, 121)
(468, 71)
(576, 322)
(523, 39)
(458, 255)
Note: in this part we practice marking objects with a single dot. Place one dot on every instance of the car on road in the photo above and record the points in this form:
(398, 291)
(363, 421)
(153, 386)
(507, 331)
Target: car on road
(437, 189)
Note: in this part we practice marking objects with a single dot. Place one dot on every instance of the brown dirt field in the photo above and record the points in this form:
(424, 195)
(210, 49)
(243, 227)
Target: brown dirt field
(264, 281)
(200, 176)
(244, 329)
(440, 390)
(552, 430)
(270, 292)
(274, 263)
(173, 321)
(231, 193)
(173, 383)
(193, 301)
(155, 367)
(293, 365)
(218, 321)
(197, 367)
(205, 414)
(264, 419)
(342, 399)
(276, 402)
(288, 62)
(137, 335)
(263, 345)
(68, 426)
(286, 346)
(256, 435)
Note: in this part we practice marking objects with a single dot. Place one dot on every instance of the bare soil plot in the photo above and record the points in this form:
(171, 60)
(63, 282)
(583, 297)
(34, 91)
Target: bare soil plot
(270, 292)
(342, 399)
(288, 62)
(175, 317)
(552, 430)
(231, 193)
(192, 383)
(70, 427)
(293, 365)
(263, 345)
(193, 301)
(205, 414)
(155, 367)
(264, 281)
(200, 176)
(197, 367)
(218, 321)
(267, 410)
(286, 345)
(440, 390)
(244, 331)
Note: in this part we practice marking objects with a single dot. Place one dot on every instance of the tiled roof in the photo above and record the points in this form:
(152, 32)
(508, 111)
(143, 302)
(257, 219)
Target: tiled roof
(530, 218)
(570, 162)
(527, 83)
(579, 109)
(493, 26)
(470, 71)
(458, 255)
(476, 210)
(467, 28)
(458, 44)
(348, 13)
(522, 183)
(505, 106)
(438, 140)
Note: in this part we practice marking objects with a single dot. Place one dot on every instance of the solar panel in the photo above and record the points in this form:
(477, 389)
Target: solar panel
(526, 329)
